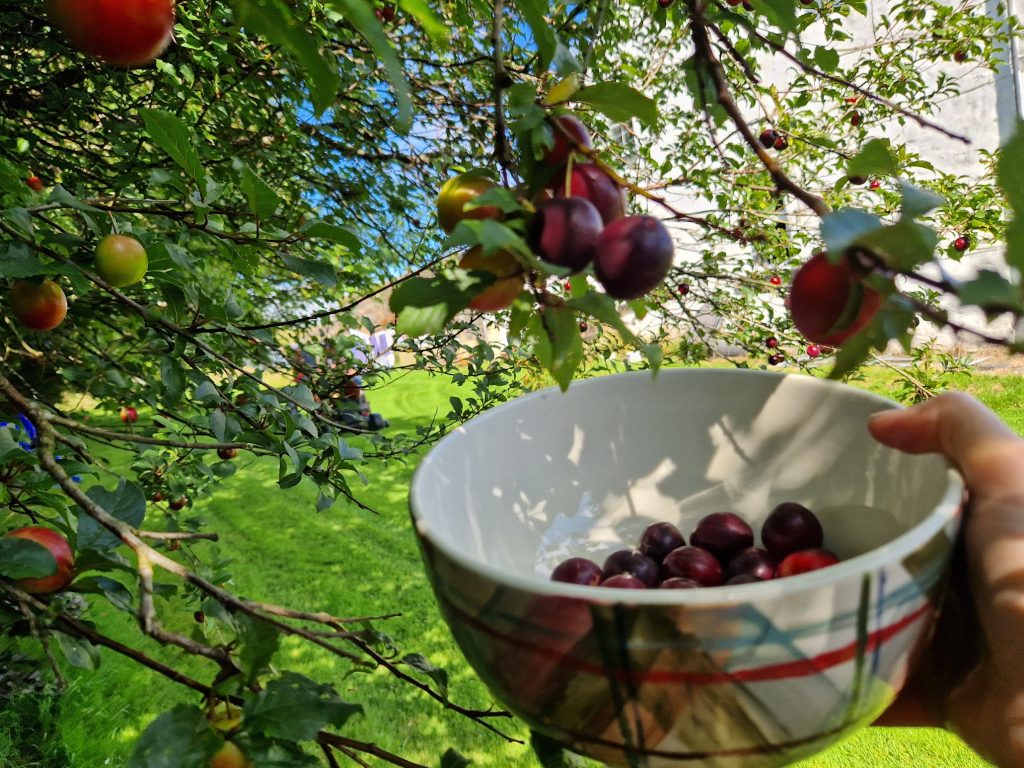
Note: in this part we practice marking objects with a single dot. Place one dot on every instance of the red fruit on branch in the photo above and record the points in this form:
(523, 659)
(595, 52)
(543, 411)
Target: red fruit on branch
(961, 243)
(855, 119)
(829, 302)
(775, 280)
(781, 142)
(57, 546)
(875, 184)
(226, 454)
(129, 415)
(776, 359)
(39, 306)
(564, 231)
(128, 33)
(589, 182)
(459, 191)
(767, 138)
(633, 256)
(179, 504)
(508, 282)
(558, 155)
(34, 183)
(683, 289)
(771, 342)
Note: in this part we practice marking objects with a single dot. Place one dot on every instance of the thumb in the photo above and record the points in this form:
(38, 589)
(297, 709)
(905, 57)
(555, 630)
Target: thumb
(986, 451)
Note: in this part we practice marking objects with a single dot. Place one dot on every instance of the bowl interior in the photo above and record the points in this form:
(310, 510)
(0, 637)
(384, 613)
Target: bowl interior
(554, 475)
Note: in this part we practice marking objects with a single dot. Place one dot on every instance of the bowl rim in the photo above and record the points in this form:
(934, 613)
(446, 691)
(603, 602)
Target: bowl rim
(946, 511)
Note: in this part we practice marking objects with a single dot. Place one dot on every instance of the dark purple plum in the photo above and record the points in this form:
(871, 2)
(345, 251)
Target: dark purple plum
(578, 570)
(659, 539)
(789, 528)
(678, 582)
(752, 561)
(558, 155)
(723, 534)
(623, 581)
(591, 183)
(565, 231)
(632, 561)
(742, 578)
(693, 563)
(767, 138)
(633, 256)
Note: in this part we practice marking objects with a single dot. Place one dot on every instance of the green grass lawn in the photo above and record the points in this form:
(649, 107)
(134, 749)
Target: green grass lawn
(350, 563)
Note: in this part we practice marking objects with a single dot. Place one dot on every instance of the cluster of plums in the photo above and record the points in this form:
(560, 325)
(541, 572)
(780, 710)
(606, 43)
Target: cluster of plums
(721, 551)
(42, 306)
(579, 220)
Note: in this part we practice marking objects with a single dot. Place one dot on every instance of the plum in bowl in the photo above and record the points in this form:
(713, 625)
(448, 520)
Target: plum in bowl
(749, 675)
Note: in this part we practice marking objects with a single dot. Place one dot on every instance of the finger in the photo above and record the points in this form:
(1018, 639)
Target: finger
(987, 452)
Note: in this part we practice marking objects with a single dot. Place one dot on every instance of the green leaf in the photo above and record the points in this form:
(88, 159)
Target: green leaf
(259, 643)
(360, 15)
(827, 58)
(78, 651)
(325, 274)
(24, 559)
(180, 738)
(874, 159)
(218, 422)
(127, 503)
(438, 675)
(295, 708)
(781, 13)
(904, 244)
(1011, 179)
(16, 260)
(602, 307)
(841, 229)
(115, 592)
(426, 304)
(917, 202)
(174, 138)
(452, 759)
(561, 347)
(543, 33)
(285, 28)
(173, 378)
(619, 102)
(990, 291)
(263, 201)
(432, 24)
(334, 234)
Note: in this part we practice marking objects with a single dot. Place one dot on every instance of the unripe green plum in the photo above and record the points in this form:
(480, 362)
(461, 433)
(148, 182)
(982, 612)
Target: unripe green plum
(121, 260)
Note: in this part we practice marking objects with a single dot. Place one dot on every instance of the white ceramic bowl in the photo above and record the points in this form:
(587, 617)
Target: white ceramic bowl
(756, 675)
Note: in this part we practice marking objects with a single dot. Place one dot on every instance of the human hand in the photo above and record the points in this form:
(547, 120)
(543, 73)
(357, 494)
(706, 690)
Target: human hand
(985, 704)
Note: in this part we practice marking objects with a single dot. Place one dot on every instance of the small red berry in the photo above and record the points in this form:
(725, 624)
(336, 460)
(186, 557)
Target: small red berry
(665, 3)
(179, 504)
(34, 183)
(855, 119)
(771, 342)
(775, 280)
(781, 142)
(813, 350)
(157, 496)
(568, 285)
(960, 57)
(775, 359)
(684, 289)
(583, 327)
(961, 243)
(875, 184)
(129, 415)
(852, 99)
(767, 138)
